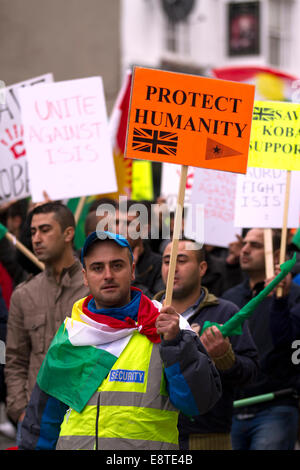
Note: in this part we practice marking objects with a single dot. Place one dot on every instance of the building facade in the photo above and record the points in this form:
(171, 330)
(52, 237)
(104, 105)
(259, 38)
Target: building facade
(197, 35)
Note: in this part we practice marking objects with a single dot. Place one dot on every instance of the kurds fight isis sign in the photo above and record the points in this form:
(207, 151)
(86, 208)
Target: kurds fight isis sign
(189, 120)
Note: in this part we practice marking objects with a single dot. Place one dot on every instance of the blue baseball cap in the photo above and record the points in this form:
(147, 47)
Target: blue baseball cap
(119, 239)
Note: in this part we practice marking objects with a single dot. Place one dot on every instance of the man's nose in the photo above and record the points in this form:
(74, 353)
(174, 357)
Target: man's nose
(246, 248)
(35, 238)
(108, 272)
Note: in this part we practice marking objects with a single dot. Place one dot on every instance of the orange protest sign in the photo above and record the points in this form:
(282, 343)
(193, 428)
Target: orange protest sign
(189, 120)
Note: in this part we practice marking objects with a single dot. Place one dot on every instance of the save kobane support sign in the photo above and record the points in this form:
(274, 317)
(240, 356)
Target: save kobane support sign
(190, 120)
(14, 178)
(67, 139)
(275, 136)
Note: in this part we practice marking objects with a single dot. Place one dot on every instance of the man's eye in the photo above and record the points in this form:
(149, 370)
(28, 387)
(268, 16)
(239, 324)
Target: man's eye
(97, 268)
(118, 266)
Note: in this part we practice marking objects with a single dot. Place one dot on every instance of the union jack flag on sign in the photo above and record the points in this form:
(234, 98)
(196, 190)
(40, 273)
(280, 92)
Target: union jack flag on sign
(149, 140)
(263, 114)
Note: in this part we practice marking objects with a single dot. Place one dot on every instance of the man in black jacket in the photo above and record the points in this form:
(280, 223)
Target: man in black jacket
(234, 357)
(268, 425)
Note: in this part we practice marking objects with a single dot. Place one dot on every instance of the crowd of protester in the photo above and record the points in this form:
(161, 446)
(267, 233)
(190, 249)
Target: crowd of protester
(213, 283)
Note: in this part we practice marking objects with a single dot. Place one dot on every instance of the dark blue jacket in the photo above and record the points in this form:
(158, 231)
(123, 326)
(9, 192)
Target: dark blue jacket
(274, 325)
(219, 418)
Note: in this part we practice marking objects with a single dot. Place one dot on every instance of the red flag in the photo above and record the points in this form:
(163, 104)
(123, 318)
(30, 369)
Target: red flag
(270, 84)
(118, 125)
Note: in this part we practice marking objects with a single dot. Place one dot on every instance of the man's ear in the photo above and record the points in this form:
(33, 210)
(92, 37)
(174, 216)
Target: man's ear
(69, 234)
(85, 282)
(202, 268)
(133, 271)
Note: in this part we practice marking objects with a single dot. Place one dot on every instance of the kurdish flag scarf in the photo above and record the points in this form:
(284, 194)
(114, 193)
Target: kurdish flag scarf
(87, 345)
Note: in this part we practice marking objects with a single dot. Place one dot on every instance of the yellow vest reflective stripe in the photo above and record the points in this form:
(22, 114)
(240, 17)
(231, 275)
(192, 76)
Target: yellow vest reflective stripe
(133, 406)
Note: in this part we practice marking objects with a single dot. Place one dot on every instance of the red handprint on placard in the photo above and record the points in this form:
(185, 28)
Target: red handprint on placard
(15, 141)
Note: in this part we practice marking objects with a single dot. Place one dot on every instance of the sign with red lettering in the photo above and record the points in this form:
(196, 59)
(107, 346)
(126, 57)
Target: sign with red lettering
(14, 179)
(67, 139)
(215, 191)
(170, 178)
(189, 120)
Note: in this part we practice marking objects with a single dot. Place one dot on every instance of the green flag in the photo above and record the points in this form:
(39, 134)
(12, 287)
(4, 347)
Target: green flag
(296, 238)
(3, 231)
(233, 326)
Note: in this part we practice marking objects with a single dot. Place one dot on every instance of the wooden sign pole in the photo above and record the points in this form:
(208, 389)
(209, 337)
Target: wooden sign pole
(279, 291)
(25, 250)
(79, 208)
(176, 234)
(269, 261)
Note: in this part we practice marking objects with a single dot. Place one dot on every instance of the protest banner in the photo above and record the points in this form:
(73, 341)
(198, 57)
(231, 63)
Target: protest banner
(275, 136)
(191, 121)
(271, 85)
(260, 197)
(216, 191)
(275, 144)
(260, 203)
(142, 183)
(117, 125)
(67, 139)
(14, 179)
(170, 177)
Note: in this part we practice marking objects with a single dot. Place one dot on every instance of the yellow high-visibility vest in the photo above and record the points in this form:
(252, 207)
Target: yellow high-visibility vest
(131, 408)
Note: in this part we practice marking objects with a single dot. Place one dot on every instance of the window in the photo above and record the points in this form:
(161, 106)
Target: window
(243, 28)
(280, 17)
(178, 37)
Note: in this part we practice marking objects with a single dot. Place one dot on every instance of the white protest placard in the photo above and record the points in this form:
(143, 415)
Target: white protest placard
(215, 191)
(67, 139)
(170, 176)
(260, 197)
(14, 180)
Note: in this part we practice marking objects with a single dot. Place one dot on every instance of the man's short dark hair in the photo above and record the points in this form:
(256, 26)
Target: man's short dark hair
(200, 252)
(103, 200)
(62, 214)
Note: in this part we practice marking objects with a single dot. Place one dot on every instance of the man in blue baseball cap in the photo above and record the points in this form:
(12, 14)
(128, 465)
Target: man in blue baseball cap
(98, 235)
(121, 368)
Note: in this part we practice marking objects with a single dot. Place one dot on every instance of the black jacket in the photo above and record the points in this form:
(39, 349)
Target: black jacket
(274, 325)
(244, 370)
